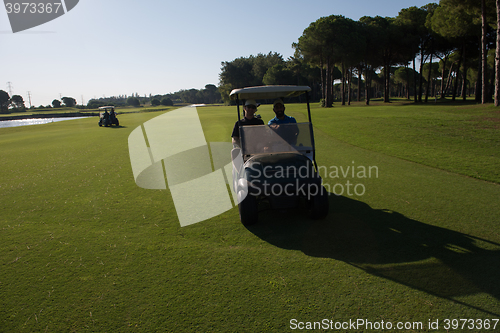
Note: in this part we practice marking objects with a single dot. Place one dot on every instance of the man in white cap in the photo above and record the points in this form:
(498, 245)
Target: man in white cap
(281, 117)
(250, 108)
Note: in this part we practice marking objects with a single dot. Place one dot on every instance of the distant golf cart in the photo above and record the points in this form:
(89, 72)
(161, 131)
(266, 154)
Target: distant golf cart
(107, 116)
(276, 163)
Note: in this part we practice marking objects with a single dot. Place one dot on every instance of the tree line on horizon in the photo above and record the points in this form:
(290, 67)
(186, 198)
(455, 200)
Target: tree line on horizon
(209, 95)
(16, 103)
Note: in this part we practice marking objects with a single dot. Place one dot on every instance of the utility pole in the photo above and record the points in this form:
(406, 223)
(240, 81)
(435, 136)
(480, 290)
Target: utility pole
(9, 87)
(29, 97)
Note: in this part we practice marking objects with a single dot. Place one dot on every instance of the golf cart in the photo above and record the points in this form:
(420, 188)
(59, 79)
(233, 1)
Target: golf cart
(276, 164)
(108, 118)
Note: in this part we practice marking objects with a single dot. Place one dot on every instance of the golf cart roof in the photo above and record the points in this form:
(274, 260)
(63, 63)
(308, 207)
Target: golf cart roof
(268, 92)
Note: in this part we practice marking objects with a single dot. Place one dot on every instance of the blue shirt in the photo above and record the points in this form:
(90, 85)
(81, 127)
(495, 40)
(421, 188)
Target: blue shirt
(286, 120)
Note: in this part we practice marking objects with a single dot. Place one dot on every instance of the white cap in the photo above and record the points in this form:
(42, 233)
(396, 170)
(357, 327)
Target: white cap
(251, 102)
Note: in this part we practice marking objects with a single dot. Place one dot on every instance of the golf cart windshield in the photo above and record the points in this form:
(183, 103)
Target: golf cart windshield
(285, 138)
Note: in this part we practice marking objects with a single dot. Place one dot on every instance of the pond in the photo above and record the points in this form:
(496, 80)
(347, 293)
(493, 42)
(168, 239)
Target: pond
(33, 121)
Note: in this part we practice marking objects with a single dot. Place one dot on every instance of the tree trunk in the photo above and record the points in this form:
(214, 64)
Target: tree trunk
(450, 77)
(368, 84)
(428, 81)
(328, 92)
(349, 87)
(323, 81)
(421, 83)
(342, 87)
(442, 78)
(407, 85)
(455, 84)
(414, 82)
(491, 86)
(479, 95)
(332, 86)
(387, 75)
(464, 75)
(358, 97)
(484, 55)
(497, 58)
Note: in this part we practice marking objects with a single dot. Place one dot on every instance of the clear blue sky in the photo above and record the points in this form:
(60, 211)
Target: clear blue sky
(117, 47)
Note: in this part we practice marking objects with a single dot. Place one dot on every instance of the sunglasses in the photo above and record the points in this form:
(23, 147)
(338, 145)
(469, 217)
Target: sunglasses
(251, 107)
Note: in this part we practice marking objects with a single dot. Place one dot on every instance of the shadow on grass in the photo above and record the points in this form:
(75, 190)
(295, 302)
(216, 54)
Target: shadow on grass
(388, 244)
(115, 127)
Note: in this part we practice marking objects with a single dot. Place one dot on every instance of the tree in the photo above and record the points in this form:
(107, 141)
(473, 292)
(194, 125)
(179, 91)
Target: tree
(261, 64)
(430, 71)
(464, 21)
(482, 13)
(133, 101)
(411, 21)
(4, 102)
(69, 101)
(237, 73)
(497, 58)
(326, 42)
(56, 103)
(389, 47)
(167, 102)
(351, 43)
(415, 23)
(305, 74)
(404, 75)
(225, 90)
(371, 60)
(278, 75)
(484, 52)
(191, 96)
(443, 49)
(310, 48)
(17, 102)
(451, 23)
(245, 72)
(296, 65)
(155, 102)
(211, 94)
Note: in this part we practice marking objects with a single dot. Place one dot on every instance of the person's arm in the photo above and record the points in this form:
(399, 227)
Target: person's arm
(236, 142)
(235, 136)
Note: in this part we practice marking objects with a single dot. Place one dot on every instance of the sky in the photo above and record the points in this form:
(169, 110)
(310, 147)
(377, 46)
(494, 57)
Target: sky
(105, 48)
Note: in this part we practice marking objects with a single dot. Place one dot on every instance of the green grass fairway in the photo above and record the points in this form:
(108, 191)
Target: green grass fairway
(83, 248)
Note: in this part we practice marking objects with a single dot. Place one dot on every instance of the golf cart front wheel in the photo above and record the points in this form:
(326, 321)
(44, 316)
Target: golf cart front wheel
(248, 210)
(319, 205)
